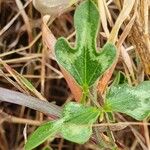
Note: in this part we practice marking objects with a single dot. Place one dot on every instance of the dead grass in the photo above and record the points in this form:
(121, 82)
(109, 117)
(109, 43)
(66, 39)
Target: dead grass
(23, 53)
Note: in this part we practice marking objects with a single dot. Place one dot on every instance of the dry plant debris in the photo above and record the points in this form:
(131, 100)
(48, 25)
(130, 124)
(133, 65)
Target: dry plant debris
(25, 54)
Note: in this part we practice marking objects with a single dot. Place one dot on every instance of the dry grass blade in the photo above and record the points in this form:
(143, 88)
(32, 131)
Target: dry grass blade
(13, 19)
(25, 18)
(139, 35)
(127, 7)
(8, 118)
(103, 16)
(27, 41)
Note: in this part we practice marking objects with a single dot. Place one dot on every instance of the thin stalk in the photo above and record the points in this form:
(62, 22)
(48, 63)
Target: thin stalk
(29, 101)
(110, 133)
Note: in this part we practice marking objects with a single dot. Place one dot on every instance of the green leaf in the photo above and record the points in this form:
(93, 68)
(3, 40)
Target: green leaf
(83, 62)
(133, 101)
(75, 125)
(47, 130)
(78, 122)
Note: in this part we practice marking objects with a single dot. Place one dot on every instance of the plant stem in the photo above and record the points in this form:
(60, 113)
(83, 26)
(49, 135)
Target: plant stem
(110, 133)
(29, 101)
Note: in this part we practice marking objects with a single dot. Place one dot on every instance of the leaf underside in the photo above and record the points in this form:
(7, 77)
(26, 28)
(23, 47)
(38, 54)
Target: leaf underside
(83, 62)
(133, 101)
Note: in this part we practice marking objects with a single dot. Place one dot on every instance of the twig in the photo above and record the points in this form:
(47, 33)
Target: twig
(29, 101)
(5, 117)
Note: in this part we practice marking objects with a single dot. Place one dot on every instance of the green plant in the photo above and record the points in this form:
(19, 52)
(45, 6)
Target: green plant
(86, 66)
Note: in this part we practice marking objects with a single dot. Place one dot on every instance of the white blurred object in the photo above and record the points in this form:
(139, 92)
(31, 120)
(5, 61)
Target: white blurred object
(52, 7)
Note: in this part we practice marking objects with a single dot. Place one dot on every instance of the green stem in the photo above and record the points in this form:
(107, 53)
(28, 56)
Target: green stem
(110, 133)
(85, 94)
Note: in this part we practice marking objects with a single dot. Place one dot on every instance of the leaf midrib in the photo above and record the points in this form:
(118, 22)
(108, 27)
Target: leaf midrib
(86, 49)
